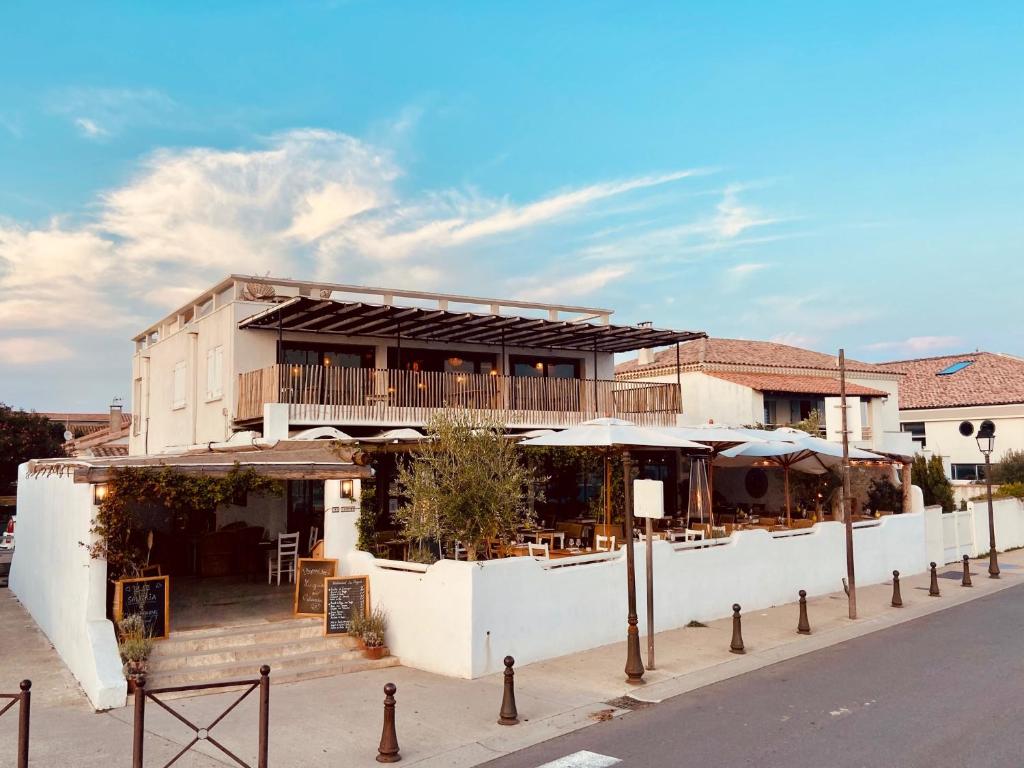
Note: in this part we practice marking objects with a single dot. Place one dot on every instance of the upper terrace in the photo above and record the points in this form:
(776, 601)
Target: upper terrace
(351, 355)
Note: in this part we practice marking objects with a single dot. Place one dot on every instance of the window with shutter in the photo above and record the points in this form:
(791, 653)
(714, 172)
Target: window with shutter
(215, 373)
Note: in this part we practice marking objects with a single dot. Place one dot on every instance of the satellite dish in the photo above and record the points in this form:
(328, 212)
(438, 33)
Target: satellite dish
(68, 435)
(966, 428)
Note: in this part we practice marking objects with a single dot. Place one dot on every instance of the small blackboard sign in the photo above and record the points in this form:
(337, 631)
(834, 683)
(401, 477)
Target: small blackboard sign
(309, 584)
(345, 596)
(150, 596)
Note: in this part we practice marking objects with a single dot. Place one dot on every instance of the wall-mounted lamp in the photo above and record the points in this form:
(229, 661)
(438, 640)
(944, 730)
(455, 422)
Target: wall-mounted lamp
(346, 489)
(99, 493)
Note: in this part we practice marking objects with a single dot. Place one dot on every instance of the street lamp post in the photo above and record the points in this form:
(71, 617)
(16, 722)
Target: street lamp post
(986, 438)
(634, 666)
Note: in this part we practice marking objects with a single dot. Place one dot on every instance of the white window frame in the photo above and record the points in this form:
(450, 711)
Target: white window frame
(214, 373)
(179, 386)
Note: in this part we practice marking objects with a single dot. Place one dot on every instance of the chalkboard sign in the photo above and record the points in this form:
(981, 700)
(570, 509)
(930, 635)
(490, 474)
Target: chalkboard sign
(345, 596)
(150, 596)
(309, 584)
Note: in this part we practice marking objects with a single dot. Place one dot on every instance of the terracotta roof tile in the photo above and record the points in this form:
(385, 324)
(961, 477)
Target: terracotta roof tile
(808, 385)
(745, 352)
(990, 379)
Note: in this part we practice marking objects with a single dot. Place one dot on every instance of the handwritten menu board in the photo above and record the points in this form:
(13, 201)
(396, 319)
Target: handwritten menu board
(150, 597)
(309, 584)
(345, 596)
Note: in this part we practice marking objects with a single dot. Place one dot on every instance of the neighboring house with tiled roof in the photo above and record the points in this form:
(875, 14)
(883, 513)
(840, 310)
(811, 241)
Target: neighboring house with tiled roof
(937, 393)
(739, 381)
(106, 440)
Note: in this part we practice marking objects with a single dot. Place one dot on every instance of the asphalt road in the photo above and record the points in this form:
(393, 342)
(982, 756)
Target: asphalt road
(945, 690)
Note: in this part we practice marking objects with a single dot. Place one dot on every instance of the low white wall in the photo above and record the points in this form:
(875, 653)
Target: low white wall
(62, 587)
(430, 617)
(1007, 515)
(951, 535)
(461, 619)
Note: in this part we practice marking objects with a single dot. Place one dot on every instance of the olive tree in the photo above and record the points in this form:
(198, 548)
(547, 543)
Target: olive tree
(465, 483)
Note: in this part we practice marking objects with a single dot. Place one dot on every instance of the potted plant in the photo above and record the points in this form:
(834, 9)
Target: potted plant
(134, 645)
(356, 627)
(374, 626)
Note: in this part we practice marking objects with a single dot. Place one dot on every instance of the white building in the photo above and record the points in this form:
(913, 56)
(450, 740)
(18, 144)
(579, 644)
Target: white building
(283, 355)
(937, 393)
(742, 382)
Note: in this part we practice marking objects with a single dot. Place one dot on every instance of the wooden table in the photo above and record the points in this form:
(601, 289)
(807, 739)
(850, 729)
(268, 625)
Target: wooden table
(546, 534)
(554, 554)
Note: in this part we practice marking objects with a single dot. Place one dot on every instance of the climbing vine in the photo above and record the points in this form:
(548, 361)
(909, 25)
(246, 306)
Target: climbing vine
(189, 501)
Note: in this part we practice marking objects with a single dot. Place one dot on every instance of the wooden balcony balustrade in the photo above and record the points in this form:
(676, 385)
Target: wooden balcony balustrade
(324, 395)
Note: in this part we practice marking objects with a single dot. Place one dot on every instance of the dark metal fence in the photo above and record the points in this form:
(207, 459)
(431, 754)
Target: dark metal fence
(202, 733)
(24, 700)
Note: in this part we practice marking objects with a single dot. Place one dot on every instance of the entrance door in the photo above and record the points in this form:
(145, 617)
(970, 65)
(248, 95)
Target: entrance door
(306, 510)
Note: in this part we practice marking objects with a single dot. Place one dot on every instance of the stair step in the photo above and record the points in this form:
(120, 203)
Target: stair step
(285, 671)
(259, 653)
(235, 637)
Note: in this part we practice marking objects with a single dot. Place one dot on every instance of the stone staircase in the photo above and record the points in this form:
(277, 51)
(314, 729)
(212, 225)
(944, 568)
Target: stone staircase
(295, 649)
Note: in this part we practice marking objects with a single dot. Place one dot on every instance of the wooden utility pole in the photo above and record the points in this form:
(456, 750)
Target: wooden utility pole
(851, 591)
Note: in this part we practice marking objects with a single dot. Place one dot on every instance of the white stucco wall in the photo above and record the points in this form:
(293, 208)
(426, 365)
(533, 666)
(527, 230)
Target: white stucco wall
(952, 535)
(943, 438)
(62, 588)
(461, 619)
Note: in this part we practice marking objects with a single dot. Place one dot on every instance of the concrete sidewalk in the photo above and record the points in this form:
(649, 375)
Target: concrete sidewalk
(444, 721)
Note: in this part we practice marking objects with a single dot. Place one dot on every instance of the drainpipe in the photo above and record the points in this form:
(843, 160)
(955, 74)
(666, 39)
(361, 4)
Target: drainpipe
(145, 411)
(193, 354)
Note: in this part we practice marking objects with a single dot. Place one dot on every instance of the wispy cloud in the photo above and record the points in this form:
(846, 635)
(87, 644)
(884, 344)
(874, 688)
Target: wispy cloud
(25, 351)
(308, 202)
(918, 345)
(741, 271)
(565, 287)
(90, 128)
(99, 113)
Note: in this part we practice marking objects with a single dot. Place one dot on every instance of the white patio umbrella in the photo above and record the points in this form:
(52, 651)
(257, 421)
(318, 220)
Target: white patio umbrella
(803, 453)
(718, 438)
(608, 434)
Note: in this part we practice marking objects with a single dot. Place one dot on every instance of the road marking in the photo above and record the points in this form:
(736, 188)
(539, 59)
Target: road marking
(582, 759)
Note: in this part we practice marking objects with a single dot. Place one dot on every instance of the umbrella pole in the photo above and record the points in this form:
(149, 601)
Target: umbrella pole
(789, 510)
(634, 665)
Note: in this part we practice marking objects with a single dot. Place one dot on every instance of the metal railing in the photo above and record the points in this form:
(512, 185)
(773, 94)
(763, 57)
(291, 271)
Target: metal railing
(24, 701)
(202, 733)
(316, 393)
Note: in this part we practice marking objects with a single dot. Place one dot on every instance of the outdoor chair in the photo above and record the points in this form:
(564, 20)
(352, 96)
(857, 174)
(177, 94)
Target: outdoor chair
(287, 554)
(460, 551)
(541, 551)
(604, 543)
(495, 549)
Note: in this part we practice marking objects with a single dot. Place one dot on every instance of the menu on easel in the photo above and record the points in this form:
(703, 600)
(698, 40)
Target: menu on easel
(310, 573)
(344, 596)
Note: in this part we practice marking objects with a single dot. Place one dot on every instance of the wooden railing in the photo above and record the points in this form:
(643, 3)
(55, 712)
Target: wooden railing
(320, 395)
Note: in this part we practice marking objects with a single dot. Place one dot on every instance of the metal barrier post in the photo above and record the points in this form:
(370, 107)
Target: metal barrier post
(264, 745)
(139, 730)
(24, 713)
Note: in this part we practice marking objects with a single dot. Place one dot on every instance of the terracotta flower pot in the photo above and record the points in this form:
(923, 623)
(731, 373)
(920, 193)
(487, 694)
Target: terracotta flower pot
(375, 652)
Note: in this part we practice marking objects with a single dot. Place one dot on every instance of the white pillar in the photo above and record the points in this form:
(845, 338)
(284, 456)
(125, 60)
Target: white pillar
(341, 516)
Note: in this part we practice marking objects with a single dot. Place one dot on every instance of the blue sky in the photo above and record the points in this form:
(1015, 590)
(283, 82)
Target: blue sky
(823, 174)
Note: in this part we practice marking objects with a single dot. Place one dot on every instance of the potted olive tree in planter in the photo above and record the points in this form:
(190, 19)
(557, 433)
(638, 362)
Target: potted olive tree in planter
(134, 644)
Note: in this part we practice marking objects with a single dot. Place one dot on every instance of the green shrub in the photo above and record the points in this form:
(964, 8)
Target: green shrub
(884, 496)
(1010, 468)
(930, 476)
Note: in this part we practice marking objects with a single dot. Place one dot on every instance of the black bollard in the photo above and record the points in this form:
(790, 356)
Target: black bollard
(933, 588)
(508, 714)
(803, 626)
(966, 581)
(736, 646)
(387, 752)
(897, 598)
